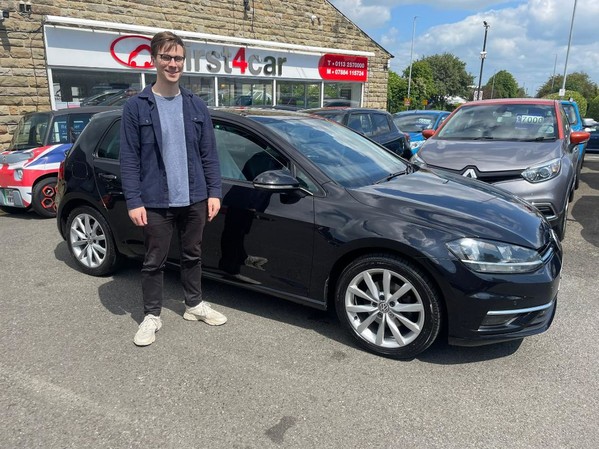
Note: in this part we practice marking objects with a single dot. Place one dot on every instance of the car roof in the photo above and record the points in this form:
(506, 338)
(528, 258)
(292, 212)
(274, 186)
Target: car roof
(423, 111)
(537, 101)
(223, 111)
(343, 109)
(77, 110)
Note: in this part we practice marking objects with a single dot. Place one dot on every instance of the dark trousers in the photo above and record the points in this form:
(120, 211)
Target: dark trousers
(189, 222)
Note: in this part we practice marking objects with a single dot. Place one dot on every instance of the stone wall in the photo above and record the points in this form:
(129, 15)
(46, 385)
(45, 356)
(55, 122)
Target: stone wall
(23, 76)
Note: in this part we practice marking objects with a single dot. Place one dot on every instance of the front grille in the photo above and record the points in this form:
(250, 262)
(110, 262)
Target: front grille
(490, 177)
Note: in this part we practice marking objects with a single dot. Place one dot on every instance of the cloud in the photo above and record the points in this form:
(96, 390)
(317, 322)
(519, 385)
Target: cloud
(365, 16)
(528, 38)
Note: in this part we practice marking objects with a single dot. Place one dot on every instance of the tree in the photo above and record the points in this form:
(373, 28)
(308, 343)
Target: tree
(397, 90)
(423, 84)
(577, 81)
(576, 96)
(593, 109)
(449, 76)
(501, 85)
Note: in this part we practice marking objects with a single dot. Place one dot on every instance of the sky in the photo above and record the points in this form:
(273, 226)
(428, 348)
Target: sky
(528, 38)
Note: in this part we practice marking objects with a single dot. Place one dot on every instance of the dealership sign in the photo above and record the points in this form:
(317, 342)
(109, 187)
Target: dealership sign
(343, 68)
(81, 48)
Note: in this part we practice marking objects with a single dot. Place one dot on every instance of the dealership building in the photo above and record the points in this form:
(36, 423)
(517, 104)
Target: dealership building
(62, 53)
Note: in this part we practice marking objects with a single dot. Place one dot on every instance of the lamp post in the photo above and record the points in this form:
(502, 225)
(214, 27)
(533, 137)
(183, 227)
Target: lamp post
(562, 91)
(411, 57)
(483, 55)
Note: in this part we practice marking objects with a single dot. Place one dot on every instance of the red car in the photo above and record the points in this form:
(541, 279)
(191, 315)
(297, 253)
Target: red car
(29, 167)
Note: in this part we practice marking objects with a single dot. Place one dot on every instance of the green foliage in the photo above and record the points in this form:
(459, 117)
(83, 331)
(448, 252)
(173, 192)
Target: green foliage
(501, 85)
(576, 96)
(449, 76)
(397, 90)
(577, 81)
(423, 84)
(593, 109)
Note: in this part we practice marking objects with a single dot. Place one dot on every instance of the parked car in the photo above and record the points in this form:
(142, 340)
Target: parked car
(577, 124)
(593, 143)
(331, 219)
(525, 146)
(28, 168)
(376, 124)
(416, 121)
(98, 98)
(118, 99)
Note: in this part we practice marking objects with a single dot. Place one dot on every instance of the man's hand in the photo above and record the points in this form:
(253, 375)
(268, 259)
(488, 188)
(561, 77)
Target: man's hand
(138, 216)
(213, 207)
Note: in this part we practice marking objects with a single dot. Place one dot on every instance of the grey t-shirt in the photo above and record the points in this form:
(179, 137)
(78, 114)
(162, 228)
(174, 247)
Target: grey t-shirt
(174, 151)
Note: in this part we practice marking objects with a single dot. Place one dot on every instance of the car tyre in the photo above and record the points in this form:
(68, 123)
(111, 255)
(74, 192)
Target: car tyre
(389, 306)
(90, 242)
(560, 229)
(14, 210)
(43, 198)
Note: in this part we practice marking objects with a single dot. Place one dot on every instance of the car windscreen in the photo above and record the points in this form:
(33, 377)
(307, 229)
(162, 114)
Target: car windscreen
(30, 131)
(414, 123)
(518, 122)
(344, 156)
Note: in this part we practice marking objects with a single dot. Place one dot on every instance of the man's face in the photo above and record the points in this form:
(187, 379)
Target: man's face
(169, 71)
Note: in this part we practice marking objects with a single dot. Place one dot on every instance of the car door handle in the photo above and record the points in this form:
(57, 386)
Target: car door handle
(107, 177)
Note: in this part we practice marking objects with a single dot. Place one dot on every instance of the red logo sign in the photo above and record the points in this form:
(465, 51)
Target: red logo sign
(343, 68)
(136, 49)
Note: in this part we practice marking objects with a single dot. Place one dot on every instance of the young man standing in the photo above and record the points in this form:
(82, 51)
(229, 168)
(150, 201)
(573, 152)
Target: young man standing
(171, 180)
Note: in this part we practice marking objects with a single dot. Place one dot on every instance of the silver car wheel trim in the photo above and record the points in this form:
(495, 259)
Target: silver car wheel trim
(384, 308)
(88, 241)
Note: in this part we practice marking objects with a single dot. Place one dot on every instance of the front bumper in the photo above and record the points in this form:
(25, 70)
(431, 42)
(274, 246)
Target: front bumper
(506, 325)
(483, 308)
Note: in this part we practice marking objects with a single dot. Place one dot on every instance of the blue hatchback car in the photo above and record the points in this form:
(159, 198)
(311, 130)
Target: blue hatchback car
(414, 122)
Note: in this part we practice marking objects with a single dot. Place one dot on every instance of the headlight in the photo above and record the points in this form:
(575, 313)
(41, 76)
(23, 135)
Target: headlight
(543, 172)
(417, 160)
(18, 174)
(485, 256)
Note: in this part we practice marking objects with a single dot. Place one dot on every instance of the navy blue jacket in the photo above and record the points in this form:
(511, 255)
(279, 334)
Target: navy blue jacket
(142, 166)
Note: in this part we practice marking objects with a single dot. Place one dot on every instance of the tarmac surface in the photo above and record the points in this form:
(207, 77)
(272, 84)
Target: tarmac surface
(277, 375)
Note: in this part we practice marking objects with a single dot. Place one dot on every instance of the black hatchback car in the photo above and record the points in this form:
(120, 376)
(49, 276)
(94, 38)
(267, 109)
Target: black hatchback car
(318, 215)
(375, 124)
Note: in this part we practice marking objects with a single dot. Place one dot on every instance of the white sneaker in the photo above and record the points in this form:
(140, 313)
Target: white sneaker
(147, 329)
(205, 313)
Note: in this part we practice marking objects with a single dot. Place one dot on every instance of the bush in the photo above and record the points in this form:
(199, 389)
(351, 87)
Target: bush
(577, 97)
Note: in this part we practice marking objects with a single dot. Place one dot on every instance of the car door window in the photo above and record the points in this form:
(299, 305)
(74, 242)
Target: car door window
(109, 146)
(76, 124)
(244, 156)
(360, 123)
(380, 124)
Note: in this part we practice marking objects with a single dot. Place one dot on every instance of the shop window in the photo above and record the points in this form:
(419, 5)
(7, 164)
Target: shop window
(298, 94)
(202, 86)
(74, 87)
(342, 94)
(244, 92)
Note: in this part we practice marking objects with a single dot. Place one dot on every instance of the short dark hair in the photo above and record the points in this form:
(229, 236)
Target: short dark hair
(165, 40)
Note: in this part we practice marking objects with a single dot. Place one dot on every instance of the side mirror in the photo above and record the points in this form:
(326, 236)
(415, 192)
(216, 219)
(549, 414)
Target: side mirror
(428, 133)
(276, 181)
(578, 137)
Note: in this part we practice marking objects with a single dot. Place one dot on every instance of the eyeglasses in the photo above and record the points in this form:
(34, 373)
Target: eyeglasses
(168, 58)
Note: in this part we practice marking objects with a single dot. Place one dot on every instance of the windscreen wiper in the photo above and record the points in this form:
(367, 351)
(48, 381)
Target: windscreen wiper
(390, 176)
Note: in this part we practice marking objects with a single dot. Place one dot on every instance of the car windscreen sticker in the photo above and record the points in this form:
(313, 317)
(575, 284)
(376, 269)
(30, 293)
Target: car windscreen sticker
(527, 121)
